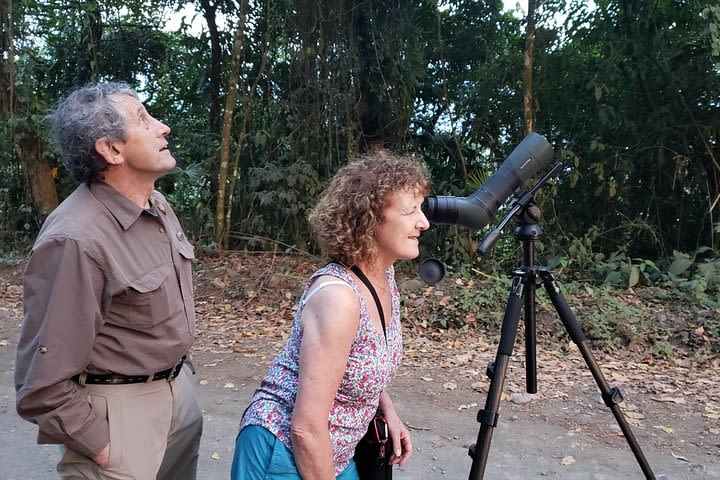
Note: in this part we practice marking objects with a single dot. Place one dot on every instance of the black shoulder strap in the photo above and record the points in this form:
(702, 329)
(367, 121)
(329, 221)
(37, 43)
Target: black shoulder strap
(370, 287)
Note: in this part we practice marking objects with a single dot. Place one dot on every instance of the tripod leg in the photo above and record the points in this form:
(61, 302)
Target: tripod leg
(530, 336)
(496, 371)
(611, 396)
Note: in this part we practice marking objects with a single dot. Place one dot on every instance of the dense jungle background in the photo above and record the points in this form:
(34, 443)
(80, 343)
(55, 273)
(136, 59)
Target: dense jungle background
(268, 98)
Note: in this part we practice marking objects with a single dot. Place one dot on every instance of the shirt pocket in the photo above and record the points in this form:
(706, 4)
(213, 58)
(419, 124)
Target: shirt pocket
(184, 247)
(145, 302)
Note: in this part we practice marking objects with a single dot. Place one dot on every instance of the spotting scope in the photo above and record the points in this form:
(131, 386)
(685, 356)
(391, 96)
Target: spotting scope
(477, 210)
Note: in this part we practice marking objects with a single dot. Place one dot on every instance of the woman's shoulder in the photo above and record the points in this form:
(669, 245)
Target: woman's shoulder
(334, 269)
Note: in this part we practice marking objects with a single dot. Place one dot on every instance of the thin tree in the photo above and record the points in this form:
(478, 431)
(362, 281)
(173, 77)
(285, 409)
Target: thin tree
(222, 227)
(7, 55)
(528, 110)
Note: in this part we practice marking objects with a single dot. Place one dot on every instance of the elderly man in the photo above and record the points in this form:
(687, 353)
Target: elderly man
(108, 302)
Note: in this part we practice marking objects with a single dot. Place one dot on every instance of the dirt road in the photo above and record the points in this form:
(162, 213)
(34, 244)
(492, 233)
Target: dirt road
(525, 445)
(563, 432)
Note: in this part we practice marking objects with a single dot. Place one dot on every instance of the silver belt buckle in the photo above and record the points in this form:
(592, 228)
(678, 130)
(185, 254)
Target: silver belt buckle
(176, 369)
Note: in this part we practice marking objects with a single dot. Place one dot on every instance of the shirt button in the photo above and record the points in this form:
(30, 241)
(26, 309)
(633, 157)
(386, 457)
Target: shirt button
(162, 230)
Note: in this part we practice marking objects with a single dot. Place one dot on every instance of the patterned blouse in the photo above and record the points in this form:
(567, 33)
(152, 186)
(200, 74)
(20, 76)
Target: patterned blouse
(371, 365)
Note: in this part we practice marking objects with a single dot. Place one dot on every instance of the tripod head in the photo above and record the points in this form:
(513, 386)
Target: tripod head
(527, 212)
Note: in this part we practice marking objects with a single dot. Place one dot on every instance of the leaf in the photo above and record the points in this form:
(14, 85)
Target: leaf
(634, 277)
(478, 386)
(215, 456)
(635, 415)
(680, 265)
(665, 429)
(679, 457)
(670, 399)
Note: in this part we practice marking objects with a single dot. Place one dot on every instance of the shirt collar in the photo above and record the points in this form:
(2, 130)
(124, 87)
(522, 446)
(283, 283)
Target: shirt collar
(122, 208)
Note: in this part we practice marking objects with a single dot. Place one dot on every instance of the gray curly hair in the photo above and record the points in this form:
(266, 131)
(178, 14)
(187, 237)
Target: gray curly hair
(81, 119)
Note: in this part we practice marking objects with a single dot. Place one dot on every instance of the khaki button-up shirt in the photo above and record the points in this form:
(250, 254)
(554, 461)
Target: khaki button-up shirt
(108, 288)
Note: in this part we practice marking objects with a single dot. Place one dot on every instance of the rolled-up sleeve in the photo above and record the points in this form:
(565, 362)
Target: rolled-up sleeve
(62, 302)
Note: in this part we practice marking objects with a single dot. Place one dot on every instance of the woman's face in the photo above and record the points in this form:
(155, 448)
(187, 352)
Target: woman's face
(397, 237)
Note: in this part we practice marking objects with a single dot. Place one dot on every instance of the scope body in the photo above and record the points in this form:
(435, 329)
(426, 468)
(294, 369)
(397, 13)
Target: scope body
(477, 210)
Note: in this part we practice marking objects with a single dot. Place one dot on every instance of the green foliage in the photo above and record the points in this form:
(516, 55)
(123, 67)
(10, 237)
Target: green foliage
(609, 322)
(662, 348)
(697, 275)
(626, 92)
(466, 303)
(711, 14)
(276, 201)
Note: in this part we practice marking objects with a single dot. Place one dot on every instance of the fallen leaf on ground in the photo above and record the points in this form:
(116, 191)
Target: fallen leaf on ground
(679, 457)
(664, 428)
(635, 415)
(215, 456)
(415, 427)
(479, 386)
(669, 399)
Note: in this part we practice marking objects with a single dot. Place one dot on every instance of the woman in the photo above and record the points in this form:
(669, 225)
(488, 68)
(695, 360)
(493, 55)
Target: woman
(323, 390)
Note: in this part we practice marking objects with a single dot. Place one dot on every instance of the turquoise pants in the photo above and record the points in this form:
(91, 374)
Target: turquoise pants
(260, 455)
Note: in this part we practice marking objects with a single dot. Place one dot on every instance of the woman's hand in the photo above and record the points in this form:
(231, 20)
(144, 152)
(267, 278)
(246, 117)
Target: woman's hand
(400, 435)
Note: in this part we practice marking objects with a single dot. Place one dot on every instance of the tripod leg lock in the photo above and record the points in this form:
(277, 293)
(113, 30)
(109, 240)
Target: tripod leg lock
(488, 418)
(472, 451)
(612, 397)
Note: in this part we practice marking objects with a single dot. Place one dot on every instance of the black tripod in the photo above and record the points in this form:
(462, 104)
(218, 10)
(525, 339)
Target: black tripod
(522, 293)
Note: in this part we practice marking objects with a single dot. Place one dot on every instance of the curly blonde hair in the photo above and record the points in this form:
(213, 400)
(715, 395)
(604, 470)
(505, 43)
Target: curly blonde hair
(346, 219)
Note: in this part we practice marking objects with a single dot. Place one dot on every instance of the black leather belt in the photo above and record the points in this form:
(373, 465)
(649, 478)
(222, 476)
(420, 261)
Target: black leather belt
(118, 379)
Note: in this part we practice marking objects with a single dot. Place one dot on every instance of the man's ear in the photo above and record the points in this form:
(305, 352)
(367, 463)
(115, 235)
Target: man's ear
(110, 151)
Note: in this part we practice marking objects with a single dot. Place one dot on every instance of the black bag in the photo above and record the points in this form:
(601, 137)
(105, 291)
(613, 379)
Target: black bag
(372, 454)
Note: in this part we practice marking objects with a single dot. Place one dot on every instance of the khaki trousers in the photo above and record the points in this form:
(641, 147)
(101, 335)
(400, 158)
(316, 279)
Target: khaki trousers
(155, 432)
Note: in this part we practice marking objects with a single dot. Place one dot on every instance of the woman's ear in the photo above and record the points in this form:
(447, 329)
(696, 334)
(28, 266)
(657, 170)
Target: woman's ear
(109, 151)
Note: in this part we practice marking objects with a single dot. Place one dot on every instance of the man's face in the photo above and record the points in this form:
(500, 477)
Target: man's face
(145, 152)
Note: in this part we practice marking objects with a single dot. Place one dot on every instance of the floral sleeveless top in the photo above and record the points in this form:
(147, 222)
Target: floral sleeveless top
(371, 365)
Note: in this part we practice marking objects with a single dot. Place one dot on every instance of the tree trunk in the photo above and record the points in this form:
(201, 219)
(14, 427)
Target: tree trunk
(528, 111)
(7, 56)
(214, 74)
(28, 146)
(248, 102)
(222, 227)
(30, 149)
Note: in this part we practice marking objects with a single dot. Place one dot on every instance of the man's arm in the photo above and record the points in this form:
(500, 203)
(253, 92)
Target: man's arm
(62, 297)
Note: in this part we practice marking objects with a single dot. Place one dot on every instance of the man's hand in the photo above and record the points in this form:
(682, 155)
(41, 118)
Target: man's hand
(102, 458)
